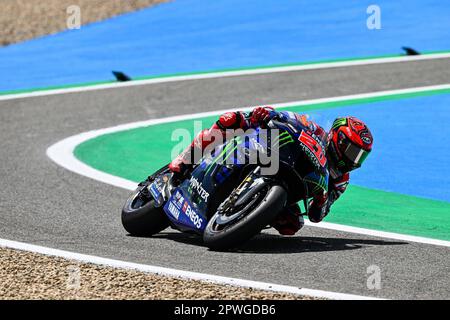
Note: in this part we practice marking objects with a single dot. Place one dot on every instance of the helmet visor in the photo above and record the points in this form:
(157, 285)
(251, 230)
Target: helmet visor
(354, 155)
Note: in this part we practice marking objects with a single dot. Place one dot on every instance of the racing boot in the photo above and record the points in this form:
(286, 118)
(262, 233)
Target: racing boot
(289, 221)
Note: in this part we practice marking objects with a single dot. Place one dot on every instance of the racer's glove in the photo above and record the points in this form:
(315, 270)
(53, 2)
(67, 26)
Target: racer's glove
(260, 115)
(319, 208)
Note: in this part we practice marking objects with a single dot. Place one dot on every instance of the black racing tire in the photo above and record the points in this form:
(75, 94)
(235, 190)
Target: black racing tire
(145, 220)
(248, 226)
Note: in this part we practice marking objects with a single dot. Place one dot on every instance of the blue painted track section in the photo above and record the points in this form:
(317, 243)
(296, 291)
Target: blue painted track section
(204, 35)
(411, 145)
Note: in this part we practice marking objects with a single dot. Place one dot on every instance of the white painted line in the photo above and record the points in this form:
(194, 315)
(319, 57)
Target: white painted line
(62, 154)
(376, 233)
(179, 273)
(223, 74)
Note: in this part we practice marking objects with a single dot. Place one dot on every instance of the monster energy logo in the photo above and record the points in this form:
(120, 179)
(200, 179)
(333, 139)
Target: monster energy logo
(256, 150)
(227, 151)
(339, 122)
(320, 184)
(283, 139)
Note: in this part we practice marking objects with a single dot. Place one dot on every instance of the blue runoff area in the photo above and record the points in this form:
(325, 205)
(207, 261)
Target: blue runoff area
(411, 145)
(203, 35)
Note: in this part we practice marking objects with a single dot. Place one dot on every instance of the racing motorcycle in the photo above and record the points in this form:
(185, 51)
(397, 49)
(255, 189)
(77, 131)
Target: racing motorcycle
(225, 198)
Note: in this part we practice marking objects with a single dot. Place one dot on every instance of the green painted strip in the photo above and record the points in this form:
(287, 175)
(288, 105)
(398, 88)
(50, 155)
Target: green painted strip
(100, 82)
(350, 102)
(392, 212)
(116, 141)
(57, 87)
(135, 153)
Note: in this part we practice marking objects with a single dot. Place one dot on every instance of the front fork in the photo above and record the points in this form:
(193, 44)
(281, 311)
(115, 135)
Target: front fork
(250, 186)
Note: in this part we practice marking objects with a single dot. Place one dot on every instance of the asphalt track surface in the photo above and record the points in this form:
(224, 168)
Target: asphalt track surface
(44, 204)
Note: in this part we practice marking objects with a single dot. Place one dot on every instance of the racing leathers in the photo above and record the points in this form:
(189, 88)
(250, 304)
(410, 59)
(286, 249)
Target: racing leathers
(326, 189)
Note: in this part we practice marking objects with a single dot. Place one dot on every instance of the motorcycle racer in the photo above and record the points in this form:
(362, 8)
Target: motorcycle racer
(341, 150)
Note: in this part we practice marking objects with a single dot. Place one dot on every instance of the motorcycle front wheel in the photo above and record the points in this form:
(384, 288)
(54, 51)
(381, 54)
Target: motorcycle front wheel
(226, 231)
(140, 217)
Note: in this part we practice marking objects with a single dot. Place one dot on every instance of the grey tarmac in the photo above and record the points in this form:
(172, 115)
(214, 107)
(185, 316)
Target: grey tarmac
(44, 204)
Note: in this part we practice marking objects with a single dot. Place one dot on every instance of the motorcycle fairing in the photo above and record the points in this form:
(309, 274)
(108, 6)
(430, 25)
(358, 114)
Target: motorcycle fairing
(218, 174)
(157, 188)
(184, 214)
